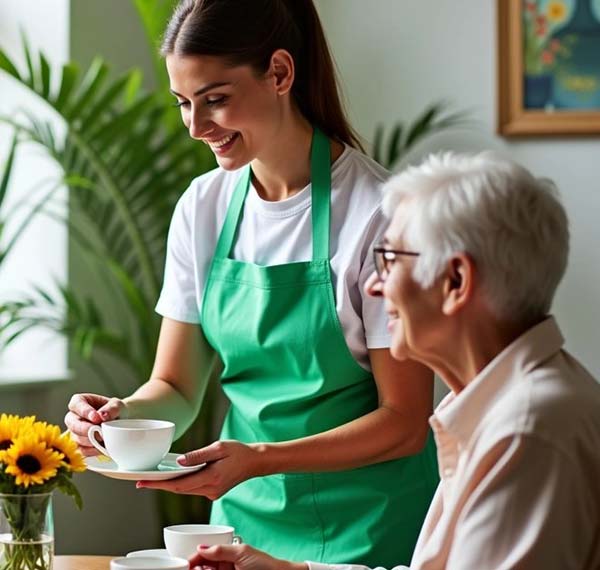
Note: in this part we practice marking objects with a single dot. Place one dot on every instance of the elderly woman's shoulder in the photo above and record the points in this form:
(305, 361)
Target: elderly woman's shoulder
(565, 398)
(557, 403)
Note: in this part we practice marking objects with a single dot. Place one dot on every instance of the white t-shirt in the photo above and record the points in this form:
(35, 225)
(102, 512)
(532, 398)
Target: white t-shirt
(272, 233)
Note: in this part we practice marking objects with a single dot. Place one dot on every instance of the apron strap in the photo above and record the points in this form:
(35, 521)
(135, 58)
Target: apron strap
(234, 211)
(320, 177)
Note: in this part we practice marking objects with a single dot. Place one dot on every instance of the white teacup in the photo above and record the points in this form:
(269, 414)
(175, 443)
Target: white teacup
(182, 540)
(149, 563)
(134, 445)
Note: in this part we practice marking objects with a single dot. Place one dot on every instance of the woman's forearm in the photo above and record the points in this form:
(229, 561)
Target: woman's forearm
(379, 436)
(158, 399)
(183, 368)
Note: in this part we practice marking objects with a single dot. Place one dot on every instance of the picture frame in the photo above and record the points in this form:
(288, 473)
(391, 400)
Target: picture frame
(548, 64)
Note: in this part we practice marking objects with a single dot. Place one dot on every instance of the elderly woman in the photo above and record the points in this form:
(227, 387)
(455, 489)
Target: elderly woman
(471, 261)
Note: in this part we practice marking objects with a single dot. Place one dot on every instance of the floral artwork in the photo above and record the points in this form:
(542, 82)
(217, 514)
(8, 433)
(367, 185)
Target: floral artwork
(541, 50)
(561, 54)
(548, 67)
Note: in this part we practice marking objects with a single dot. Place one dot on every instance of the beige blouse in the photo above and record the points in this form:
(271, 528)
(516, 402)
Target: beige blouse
(519, 459)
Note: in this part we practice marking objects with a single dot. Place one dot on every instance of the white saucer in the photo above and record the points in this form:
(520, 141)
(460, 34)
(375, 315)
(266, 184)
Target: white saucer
(153, 552)
(168, 468)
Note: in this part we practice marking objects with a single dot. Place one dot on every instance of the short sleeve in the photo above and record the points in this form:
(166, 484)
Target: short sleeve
(373, 309)
(178, 300)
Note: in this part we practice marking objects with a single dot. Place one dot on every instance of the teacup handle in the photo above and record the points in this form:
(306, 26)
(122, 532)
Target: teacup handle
(92, 437)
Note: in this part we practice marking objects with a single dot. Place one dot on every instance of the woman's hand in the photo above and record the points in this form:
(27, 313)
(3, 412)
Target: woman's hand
(86, 410)
(227, 464)
(239, 557)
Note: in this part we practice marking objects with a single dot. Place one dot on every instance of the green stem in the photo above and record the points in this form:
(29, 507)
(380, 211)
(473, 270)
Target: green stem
(133, 229)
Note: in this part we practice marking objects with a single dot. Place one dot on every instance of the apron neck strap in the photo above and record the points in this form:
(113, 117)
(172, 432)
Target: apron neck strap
(320, 183)
(320, 178)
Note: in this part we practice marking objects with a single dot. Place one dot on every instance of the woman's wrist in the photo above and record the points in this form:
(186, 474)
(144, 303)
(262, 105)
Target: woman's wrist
(126, 410)
(278, 457)
(263, 464)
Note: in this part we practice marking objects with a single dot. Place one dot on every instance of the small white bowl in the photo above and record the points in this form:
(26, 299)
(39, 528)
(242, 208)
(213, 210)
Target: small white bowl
(151, 552)
(149, 563)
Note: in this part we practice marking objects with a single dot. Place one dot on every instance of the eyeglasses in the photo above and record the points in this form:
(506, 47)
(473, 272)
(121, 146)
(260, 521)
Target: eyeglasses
(384, 258)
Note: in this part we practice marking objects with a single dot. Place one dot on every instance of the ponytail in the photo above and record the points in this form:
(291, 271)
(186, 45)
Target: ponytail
(316, 86)
(247, 32)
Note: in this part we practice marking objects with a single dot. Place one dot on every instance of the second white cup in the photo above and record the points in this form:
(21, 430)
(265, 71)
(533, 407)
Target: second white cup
(134, 445)
(182, 540)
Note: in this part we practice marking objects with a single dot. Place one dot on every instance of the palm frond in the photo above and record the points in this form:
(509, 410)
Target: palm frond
(8, 167)
(124, 170)
(154, 15)
(433, 119)
(101, 131)
(33, 209)
(83, 324)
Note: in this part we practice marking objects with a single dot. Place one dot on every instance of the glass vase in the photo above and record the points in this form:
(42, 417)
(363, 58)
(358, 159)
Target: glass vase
(26, 532)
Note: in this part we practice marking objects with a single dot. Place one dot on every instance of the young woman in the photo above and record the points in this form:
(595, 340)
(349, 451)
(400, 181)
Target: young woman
(267, 258)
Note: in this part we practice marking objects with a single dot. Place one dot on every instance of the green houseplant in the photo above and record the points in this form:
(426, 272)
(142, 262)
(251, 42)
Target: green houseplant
(124, 168)
(390, 149)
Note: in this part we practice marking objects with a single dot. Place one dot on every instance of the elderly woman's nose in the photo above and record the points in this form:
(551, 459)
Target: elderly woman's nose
(374, 286)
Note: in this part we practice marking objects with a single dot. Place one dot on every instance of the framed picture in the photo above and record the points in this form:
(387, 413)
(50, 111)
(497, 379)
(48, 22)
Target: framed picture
(548, 67)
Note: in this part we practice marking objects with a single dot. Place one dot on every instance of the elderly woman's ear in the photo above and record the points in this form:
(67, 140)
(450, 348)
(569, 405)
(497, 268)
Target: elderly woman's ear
(458, 283)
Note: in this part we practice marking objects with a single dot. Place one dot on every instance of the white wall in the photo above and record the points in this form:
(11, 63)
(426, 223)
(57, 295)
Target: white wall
(396, 56)
(40, 256)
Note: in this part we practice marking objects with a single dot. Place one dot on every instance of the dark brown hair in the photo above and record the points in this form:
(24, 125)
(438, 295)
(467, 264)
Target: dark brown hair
(247, 32)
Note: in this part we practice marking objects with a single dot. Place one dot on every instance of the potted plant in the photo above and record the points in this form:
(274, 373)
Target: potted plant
(35, 459)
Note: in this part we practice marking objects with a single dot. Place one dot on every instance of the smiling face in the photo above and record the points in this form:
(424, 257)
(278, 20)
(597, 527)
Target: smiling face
(415, 314)
(229, 108)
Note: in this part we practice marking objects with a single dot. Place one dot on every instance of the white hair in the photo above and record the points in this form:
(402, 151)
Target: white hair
(511, 223)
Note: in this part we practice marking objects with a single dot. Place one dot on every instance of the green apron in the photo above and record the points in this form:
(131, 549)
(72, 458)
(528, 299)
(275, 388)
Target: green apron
(288, 374)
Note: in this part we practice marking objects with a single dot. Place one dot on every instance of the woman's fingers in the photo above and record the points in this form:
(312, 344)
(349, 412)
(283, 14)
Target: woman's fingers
(212, 452)
(221, 553)
(88, 451)
(193, 484)
(86, 405)
(86, 410)
(78, 427)
(111, 409)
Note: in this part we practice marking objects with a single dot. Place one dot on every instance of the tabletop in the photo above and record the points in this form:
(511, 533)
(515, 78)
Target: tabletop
(82, 562)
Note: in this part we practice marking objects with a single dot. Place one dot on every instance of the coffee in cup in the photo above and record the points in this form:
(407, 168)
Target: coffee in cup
(134, 445)
(182, 540)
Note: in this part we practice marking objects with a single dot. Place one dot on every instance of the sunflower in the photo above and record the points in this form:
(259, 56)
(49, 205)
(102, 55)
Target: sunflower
(63, 444)
(556, 11)
(31, 462)
(9, 429)
(25, 425)
(43, 431)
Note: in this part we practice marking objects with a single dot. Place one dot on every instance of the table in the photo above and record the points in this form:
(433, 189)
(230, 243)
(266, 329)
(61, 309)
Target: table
(82, 562)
